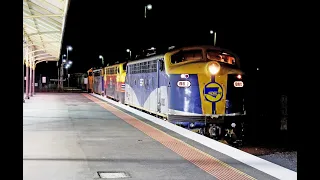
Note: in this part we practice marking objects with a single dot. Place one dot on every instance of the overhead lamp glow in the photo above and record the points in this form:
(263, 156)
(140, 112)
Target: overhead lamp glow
(149, 6)
(69, 48)
(128, 50)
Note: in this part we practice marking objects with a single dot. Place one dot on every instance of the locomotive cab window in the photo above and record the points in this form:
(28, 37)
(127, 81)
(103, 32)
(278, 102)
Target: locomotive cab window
(224, 57)
(186, 55)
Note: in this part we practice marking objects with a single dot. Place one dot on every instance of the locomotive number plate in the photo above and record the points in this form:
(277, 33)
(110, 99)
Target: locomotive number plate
(184, 84)
(238, 84)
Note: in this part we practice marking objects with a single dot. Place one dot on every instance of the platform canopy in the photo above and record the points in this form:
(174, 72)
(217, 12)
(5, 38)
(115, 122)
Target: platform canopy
(43, 27)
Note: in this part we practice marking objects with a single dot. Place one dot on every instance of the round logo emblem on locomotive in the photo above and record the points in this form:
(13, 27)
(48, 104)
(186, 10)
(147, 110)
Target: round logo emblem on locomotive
(213, 92)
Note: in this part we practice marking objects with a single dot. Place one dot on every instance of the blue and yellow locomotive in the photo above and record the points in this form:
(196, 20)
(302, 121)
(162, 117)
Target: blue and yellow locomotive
(206, 91)
(199, 88)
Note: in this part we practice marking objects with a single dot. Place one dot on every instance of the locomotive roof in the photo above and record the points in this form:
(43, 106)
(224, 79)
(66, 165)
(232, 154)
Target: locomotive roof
(95, 70)
(174, 50)
(157, 56)
(110, 66)
(150, 58)
(204, 47)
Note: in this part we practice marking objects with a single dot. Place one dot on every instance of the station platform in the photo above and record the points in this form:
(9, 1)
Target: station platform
(83, 137)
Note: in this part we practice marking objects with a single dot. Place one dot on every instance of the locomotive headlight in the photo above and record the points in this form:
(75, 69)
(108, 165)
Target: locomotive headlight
(214, 68)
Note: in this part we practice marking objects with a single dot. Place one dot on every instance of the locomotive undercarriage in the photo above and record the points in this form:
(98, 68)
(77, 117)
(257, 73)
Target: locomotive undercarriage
(226, 129)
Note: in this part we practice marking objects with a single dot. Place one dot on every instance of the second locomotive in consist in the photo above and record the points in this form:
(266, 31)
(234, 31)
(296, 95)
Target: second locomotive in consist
(114, 77)
(199, 88)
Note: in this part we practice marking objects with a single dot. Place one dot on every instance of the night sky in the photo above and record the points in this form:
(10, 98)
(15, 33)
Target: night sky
(96, 28)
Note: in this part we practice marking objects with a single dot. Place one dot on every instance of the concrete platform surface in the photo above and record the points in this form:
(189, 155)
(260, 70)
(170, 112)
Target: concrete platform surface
(74, 136)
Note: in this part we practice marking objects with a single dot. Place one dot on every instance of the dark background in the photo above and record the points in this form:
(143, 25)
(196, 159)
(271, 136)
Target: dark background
(258, 33)
(110, 28)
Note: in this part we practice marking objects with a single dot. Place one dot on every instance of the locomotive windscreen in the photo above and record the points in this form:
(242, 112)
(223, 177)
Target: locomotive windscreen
(220, 56)
(186, 55)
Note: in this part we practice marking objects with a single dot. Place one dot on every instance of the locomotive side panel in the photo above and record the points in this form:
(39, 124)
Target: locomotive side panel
(97, 81)
(115, 82)
(130, 96)
(145, 89)
(110, 83)
(120, 91)
(164, 98)
(102, 84)
(117, 94)
(90, 81)
(97, 85)
(148, 95)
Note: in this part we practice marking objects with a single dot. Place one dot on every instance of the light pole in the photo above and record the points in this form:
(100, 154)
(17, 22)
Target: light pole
(64, 61)
(61, 72)
(67, 73)
(69, 48)
(214, 37)
(147, 7)
(67, 67)
(129, 51)
(102, 60)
